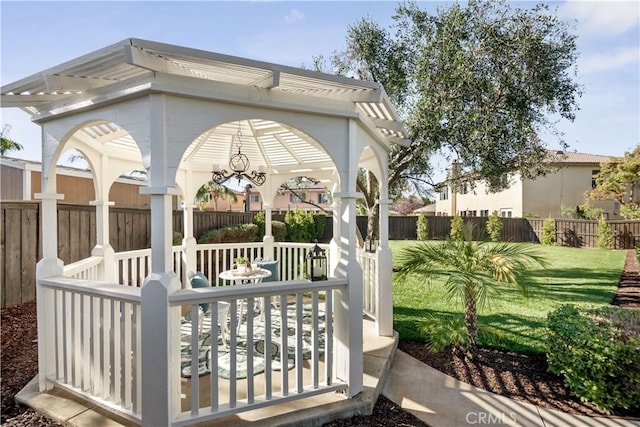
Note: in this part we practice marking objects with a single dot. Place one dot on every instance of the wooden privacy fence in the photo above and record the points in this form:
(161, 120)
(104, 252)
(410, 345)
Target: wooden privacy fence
(130, 229)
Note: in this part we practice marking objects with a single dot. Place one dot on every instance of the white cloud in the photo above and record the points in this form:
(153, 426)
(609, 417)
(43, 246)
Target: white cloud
(607, 61)
(293, 16)
(602, 18)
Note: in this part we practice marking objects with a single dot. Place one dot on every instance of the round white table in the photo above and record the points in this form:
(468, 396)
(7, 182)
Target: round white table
(255, 276)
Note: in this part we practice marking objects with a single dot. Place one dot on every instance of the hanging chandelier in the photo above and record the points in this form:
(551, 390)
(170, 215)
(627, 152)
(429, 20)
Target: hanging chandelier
(239, 165)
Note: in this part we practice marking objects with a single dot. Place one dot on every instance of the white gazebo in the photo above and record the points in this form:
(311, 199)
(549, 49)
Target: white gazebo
(110, 327)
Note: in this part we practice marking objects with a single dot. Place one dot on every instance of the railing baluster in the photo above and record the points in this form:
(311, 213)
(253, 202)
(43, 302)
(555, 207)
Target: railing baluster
(315, 354)
(284, 344)
(299, 355)
(195, 360)
(267, 349)
(215, 330)
(249, 334)
(127, 371)
(328, 334)
(232, 352)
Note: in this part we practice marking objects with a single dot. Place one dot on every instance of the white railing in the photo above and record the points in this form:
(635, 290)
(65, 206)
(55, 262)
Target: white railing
(369, 262)
(87, 268)
(249, 368)
(94, 342)
(214, 258)
(292, 257)
(133, 266)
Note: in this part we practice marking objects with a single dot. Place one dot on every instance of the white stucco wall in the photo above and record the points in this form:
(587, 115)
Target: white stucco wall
(547, 195)
(507, 202)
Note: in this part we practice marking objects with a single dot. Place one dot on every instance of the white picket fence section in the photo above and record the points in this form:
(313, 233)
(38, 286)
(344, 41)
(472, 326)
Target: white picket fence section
(87, 268)
(133, 266)
(368, 262)
(96, 342)
(242, 394)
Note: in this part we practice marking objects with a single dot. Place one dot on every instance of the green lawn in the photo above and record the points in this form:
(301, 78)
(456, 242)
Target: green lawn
(576, 276)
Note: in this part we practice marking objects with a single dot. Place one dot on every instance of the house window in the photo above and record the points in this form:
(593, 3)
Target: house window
(323, 198)
(464, 188)
(255, 198)
(593, 177)
(444, 193)
(484, 212)
(295, 198)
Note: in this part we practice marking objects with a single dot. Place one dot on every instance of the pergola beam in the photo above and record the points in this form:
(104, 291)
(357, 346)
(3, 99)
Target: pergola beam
(271, 80)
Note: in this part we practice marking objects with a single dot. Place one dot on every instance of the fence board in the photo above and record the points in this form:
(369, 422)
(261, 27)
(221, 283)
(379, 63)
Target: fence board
(30, 252)
(13, 246)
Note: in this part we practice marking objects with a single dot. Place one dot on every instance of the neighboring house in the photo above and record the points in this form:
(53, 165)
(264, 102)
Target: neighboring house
(21, 179)
(571, 176)
(285, 200)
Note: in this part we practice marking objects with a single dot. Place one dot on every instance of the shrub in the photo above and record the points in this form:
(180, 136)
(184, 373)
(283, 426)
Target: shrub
(605, 235)
(597, 353)
(446, 330)
(422, 227)
(304, 226)
(259, 221)
(177, 238)
(494, 226)
(279, 230)
(457, 228)
(233, 234)
(320, 222)
(549, 232)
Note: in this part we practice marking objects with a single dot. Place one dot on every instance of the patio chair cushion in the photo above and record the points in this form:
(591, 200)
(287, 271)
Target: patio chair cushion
(272, 266)
(199, 280)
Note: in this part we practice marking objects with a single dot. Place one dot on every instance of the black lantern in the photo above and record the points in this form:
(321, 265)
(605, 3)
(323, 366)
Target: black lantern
(316, 264)
(371, 244)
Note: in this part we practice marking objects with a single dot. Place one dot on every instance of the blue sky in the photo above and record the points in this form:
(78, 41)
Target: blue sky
(39, 35)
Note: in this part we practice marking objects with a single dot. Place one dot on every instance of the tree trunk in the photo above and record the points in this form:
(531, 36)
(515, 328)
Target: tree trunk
(470, 319)
(373, 221)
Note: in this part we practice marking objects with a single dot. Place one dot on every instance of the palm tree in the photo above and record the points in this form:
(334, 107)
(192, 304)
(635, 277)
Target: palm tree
(474, 271)
(7, 144)
(215, 191)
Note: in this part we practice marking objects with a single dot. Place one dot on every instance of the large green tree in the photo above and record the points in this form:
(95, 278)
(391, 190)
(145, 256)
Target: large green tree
(619, 179)
(7, 144)
(476, 82)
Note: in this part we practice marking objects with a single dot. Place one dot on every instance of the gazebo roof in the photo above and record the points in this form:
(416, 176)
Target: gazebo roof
(44, 93)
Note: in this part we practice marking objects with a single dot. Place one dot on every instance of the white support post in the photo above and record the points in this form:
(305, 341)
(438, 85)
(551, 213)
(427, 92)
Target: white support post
(48, 266)
(267, 240)
(384, 320)
(103, 246)
(160, 365)
(189, 242)
(348, 303)
(160, 349)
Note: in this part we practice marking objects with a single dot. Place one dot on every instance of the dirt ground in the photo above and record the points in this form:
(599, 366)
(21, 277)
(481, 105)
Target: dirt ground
(521, 377)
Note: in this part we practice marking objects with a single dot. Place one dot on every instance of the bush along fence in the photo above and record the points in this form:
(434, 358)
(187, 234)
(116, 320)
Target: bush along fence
(130, 229)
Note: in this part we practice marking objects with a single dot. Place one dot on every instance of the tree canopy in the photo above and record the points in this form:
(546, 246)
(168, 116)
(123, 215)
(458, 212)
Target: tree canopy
(618, 179)
(477, 82)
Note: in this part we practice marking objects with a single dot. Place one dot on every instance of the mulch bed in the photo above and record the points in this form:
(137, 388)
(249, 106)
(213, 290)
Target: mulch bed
(518, 376)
